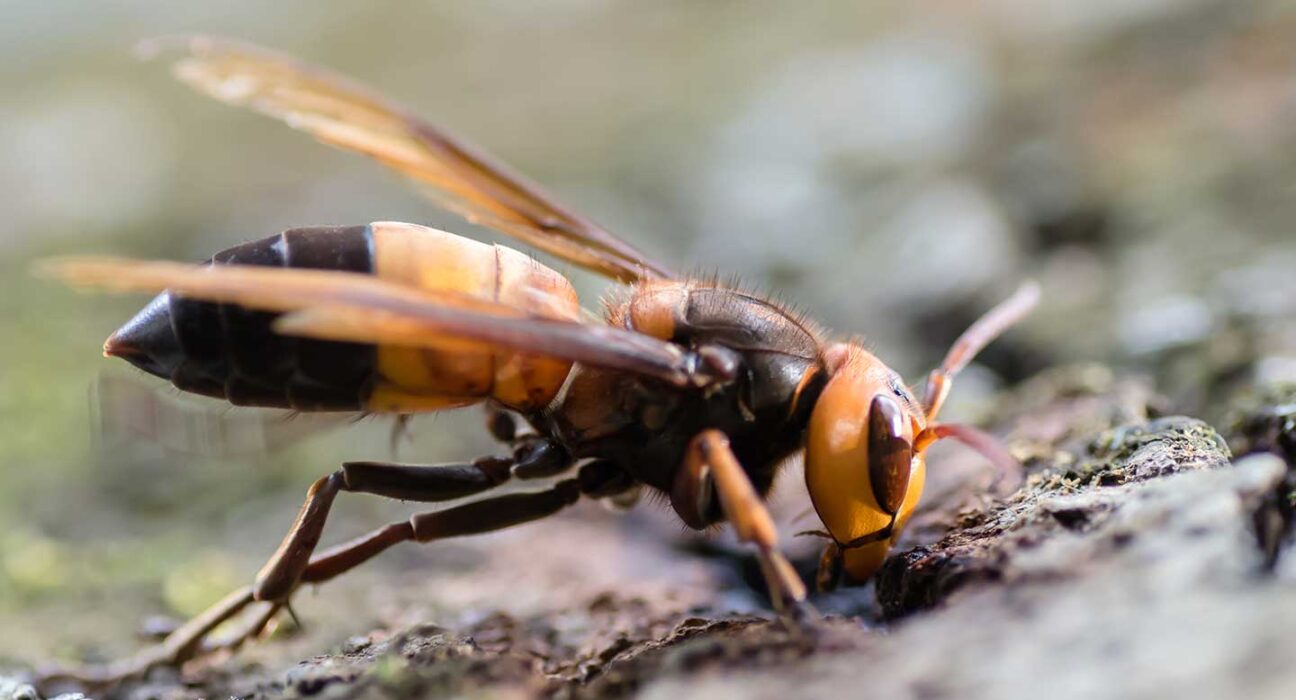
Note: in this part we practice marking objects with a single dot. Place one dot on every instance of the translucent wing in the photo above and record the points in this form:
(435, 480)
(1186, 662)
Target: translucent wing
(454, 173)
(127, 409)
(356, 307)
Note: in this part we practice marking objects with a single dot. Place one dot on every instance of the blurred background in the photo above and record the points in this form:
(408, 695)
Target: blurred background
(890, 168)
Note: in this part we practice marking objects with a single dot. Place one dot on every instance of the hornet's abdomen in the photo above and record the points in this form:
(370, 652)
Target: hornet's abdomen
(230, 352)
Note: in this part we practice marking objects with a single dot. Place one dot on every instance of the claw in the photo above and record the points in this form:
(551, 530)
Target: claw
(287, 605)
(191, 641)
(800, 620)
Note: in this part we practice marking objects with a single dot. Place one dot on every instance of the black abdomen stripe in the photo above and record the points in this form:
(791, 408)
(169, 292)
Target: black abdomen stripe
(232, 353)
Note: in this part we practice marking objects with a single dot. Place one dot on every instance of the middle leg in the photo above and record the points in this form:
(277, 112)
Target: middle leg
(423, 483)
(596, 479)
(292, 564)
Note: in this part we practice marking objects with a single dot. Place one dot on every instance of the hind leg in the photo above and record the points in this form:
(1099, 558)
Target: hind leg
(293, 563)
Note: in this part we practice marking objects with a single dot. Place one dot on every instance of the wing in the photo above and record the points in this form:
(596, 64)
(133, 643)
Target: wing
(456, 174)
(354, 307)
(127, 410)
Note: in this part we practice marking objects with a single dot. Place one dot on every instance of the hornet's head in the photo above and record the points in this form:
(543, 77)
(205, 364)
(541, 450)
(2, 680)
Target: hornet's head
(864, 463)
(863, 471)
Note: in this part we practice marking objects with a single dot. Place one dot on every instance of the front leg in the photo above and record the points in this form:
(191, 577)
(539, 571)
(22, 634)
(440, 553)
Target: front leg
(829, 574)
(710, 466)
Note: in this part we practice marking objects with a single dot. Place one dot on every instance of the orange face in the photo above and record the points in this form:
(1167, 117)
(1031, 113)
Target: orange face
(861, 469)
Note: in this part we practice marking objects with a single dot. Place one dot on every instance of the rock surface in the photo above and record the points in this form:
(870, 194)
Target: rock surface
(1138, 559)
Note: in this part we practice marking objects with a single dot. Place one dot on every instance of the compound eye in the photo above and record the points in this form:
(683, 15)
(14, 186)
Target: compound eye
(890, 453)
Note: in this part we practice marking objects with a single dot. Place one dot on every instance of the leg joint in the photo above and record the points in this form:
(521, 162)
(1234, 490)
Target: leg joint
(537, 458)
(602, 478)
